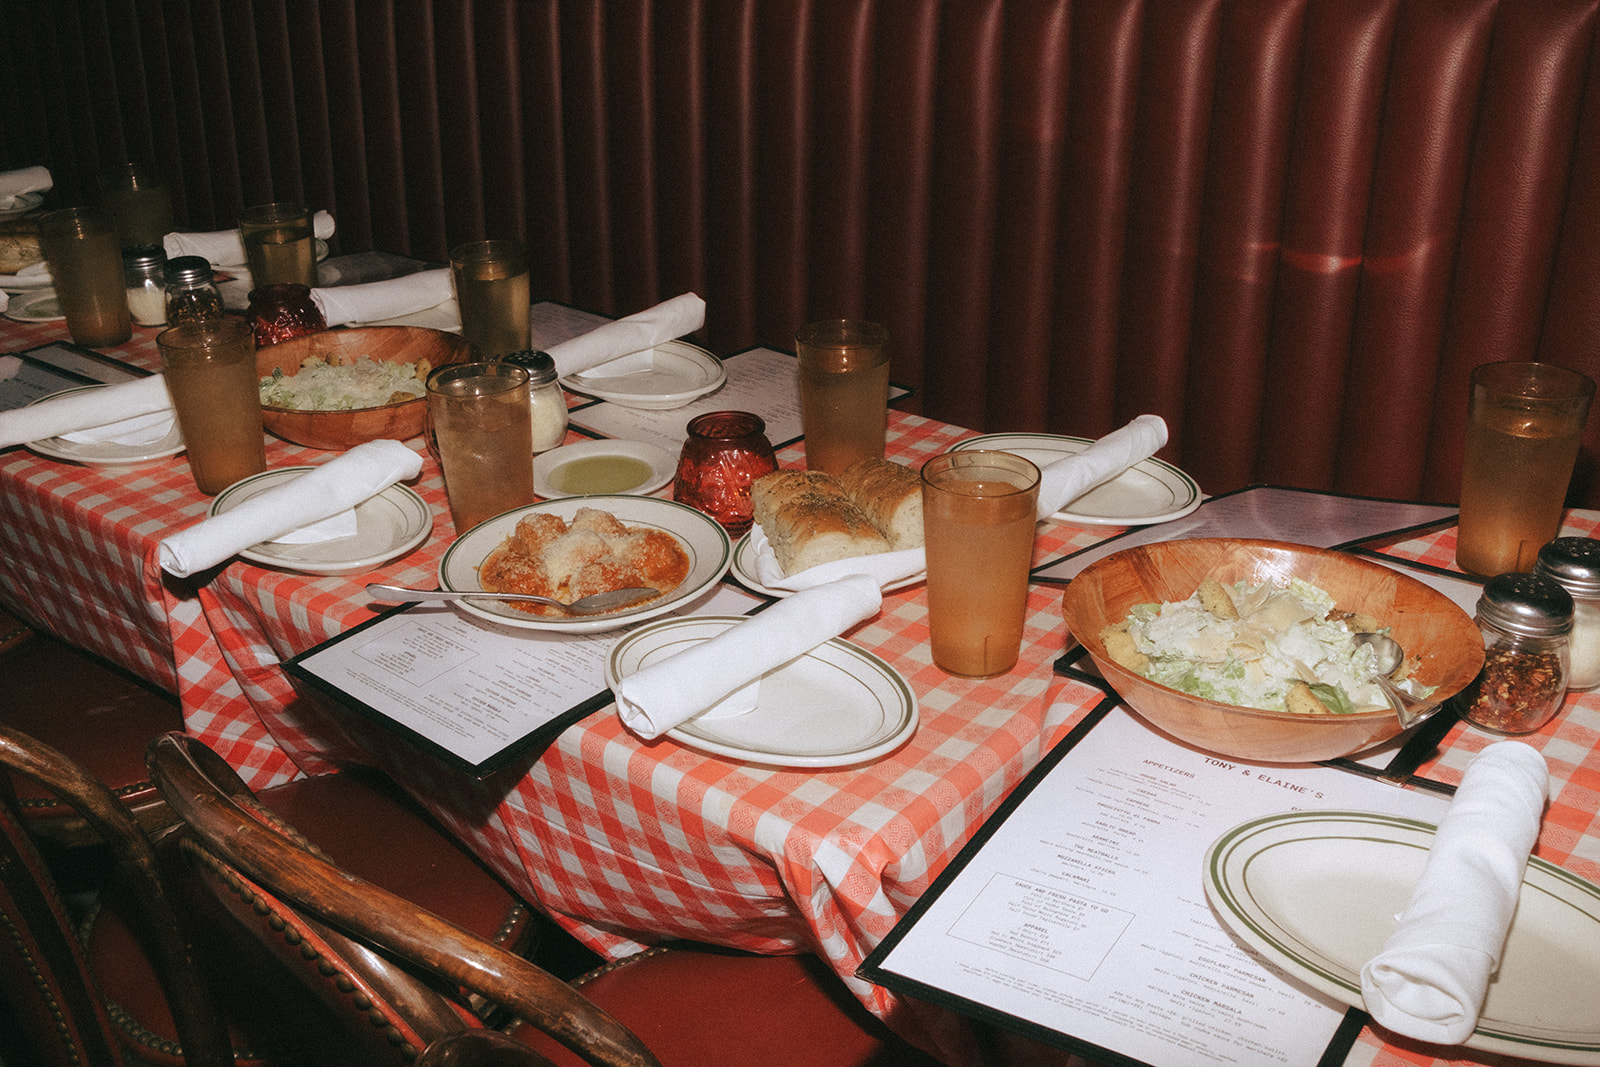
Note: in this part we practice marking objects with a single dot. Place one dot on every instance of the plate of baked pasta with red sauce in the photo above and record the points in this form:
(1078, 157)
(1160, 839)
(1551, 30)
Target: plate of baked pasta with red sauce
(576, 546)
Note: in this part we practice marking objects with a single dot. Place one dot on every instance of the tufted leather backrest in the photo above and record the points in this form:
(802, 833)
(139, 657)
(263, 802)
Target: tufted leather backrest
(1291, 227)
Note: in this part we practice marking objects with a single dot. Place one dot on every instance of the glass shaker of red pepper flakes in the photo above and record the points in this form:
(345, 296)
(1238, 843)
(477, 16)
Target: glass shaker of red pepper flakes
(725, 452)
(1525, 620)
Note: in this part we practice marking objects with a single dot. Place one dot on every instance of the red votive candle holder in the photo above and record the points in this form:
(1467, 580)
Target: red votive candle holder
(725, 452)
(279, 312)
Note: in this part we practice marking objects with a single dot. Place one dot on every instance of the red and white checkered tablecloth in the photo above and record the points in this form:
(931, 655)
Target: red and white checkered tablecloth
(626, 842)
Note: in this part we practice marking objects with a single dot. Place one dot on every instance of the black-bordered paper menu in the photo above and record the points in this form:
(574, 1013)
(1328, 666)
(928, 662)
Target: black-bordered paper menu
(39, 372)
(473, 693)
(1078, 915)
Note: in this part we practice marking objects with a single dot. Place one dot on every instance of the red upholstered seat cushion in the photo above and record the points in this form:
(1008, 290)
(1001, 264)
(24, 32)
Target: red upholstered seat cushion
(87, 710)
(696, 1008)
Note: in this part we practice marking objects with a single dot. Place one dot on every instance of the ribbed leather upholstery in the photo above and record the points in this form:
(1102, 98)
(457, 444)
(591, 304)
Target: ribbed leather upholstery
(1291, 227)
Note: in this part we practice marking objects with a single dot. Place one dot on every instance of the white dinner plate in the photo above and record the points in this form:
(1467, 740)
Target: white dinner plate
(388, 526)
(707, 544)
(835, 706)
(660, 467)
(677, 372)
(38, 305)
(1318, 892)
(1150, 491)
(745, 570)
(107, 453)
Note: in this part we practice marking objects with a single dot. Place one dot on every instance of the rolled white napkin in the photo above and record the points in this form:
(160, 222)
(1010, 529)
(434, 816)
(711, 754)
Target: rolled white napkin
(86, 410)
(639, 332)
(375, 301)
(666, 694)
(139, 430)
(1065, 480)
(1430, 978)
(24, 180)
(225, 248)
(885, 568)
(33, 276)
(339, 484)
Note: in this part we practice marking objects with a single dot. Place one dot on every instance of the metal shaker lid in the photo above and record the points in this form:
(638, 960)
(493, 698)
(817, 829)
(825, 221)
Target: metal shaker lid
(188, 270)
(541, 368)
(1574, 562)
(1529, 605)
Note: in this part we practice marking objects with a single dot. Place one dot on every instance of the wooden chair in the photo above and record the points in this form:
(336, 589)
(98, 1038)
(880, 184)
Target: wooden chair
(101, 722)
(385, 838)
(705, 1008)
(99, 716)
(56, 1003)
(479, 1048)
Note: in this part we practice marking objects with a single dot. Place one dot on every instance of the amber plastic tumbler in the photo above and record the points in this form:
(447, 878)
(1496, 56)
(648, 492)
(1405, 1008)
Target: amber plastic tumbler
(844, 391)
(492, 290)
(482, 420)
(139, 201)
(1524, 422)
(210, 368)
(81, 246)
(978, 513)
(280, 244)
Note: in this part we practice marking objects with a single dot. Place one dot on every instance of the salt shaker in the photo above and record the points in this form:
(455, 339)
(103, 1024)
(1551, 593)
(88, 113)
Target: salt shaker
(192, 293)
(725, 452)
(1525, 619)
(1574, 562)
(144, 271)
(548, 402)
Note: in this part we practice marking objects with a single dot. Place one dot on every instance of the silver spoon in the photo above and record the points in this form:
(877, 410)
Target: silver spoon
(1390, 655)
(594, 604)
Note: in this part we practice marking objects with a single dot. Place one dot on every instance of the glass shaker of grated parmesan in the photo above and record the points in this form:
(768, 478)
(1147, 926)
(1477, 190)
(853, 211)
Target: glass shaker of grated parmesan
(548, 401)
(1574, 563)
(145, 272)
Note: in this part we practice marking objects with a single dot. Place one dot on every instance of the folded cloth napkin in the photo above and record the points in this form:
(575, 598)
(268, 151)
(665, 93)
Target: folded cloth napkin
(91, 408)
(1065, 480)
(885, 568)
(675, 690)
(139, 430)
(1429, 979)
(224, 248)
(375, 301)
(636, 333)
(15, 183)
(339, 484)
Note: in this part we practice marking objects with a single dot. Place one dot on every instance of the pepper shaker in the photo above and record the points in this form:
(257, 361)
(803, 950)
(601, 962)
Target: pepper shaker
(1525, 620)
(192, 293)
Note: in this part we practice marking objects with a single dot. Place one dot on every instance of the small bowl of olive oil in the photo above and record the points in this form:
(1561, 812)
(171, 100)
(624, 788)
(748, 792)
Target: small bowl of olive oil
(591, 468)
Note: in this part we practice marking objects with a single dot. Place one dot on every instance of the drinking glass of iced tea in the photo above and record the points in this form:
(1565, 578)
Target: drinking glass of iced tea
(978, 514)
(210, 367)
(279, 244)
(492, 290)
(844, 391)
(1524, 422)
(481, 418)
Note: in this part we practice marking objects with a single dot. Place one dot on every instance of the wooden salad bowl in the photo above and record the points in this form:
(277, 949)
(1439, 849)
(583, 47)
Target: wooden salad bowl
(339, 430)
(1440, 640)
